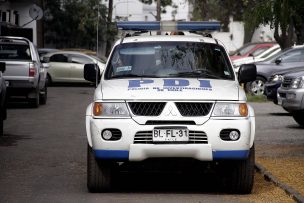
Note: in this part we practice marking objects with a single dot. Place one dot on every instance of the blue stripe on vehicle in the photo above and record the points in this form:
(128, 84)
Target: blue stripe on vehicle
(111, 154)
(232, 154)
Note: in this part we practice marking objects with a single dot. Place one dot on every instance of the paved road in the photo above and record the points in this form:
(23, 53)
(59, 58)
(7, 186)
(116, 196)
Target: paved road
(43, 157)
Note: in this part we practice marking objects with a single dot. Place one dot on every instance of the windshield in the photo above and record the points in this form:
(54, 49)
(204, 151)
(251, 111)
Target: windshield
(169, 59)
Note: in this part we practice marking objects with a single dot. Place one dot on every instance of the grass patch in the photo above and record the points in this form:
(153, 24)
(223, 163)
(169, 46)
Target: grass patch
(259, 98)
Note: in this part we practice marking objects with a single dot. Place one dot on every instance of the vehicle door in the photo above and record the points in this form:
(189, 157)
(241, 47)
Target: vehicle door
(59, 67)
(293, 58)
(77, 64)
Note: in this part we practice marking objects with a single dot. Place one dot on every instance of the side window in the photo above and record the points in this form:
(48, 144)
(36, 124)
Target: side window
(80, 59)
(293, 56)
(259, 51)
(59, 58)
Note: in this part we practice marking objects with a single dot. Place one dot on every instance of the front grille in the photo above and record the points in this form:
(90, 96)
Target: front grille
(286, 82)
(195, 137)
(147, 108)
(152, 122)
(193, 109)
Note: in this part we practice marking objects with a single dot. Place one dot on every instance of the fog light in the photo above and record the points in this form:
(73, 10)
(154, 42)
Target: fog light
(107, 135)
(234, 135)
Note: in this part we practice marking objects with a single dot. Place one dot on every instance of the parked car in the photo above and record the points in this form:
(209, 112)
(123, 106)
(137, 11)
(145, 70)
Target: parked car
(251, 49)
(67, 66)
(257, 57)
(3, 111)
(290, 58)
(291, 95)
(25, 75)
(275, 81)
(43, 51)
(169, 96)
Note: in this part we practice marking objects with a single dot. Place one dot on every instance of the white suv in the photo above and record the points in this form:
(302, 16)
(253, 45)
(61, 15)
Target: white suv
(166, 97)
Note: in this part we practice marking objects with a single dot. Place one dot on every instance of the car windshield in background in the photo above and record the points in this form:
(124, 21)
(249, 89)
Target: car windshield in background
(15, 52)
(169, 59)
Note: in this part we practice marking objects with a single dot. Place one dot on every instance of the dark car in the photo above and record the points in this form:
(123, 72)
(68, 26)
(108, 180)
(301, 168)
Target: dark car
(2, 97)
(290, 58)
(275, 81)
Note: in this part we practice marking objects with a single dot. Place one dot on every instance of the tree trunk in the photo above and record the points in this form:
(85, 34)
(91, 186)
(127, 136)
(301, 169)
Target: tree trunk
(158, 11)
(109, 22)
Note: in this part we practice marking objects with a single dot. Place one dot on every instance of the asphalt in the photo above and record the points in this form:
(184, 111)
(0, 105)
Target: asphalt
(280, 149)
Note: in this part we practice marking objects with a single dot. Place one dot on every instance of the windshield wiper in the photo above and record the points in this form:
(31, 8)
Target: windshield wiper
(134, 76)
(205, 73)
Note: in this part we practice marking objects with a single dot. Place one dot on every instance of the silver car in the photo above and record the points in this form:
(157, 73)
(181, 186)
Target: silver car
(67, 66)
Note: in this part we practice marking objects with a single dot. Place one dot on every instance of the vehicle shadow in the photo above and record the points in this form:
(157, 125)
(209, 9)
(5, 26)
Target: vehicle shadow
(167, 183)
(8, 140)
(280, 114)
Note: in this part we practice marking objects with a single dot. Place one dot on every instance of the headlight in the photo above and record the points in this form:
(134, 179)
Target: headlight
(277, 78)
(297, 83)
(230, 110)
(110, 109)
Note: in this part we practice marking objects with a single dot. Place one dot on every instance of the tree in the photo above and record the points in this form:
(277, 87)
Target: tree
(160, 6)
(284, 16)
(72, 23)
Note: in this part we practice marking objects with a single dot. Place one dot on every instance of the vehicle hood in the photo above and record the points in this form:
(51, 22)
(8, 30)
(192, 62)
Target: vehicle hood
(169, 89)
(295, 74)
(291, 70)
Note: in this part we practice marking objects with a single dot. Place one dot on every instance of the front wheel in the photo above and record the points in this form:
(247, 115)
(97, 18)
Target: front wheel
(43, 95)
(34, 102)
(99, 173)
(240, 174)
(256, 87)
(298, 116)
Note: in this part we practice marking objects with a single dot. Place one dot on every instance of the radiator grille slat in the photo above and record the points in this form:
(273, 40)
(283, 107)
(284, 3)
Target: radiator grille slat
(193, 108)
(147, 108)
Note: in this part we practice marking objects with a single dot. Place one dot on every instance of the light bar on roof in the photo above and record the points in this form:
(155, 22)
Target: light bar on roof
(168, 26)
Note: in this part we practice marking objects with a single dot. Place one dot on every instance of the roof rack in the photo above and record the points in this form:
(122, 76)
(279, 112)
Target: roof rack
(173, 26)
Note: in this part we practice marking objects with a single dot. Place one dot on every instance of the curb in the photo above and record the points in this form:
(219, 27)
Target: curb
(289, 190)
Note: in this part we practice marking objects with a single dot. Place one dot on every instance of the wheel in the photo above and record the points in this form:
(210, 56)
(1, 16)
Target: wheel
(43, 95)
(240, 174)
(298, 116)
(256, 87)
(99, 173)
(1, 122)
(48, 80)
(34, 102)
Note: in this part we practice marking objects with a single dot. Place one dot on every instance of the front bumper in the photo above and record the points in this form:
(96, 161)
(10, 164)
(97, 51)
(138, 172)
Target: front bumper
(216, 148)
(291, 99)
(271, 91)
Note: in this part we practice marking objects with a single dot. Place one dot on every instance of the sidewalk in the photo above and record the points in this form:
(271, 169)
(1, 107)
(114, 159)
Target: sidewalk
(285, 163)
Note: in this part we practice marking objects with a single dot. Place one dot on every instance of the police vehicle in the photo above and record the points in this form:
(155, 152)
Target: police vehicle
(170, 98)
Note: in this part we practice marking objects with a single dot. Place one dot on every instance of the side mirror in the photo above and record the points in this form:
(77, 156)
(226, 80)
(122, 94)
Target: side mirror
(247, 73)
(278, 61)
(91, 72)
(2, 66)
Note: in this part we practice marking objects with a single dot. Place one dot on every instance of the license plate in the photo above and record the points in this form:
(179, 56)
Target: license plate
(171, 135)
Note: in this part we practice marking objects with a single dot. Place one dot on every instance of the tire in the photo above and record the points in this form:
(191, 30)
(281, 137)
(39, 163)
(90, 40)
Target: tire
(34, 102)
(43, 97)
(298, 116)
(256, 87)
(48, 80)
(99, 173)
(240, 174)
(1, 122)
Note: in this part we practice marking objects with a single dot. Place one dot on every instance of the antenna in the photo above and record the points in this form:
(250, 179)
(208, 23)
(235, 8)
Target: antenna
(35, 12)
